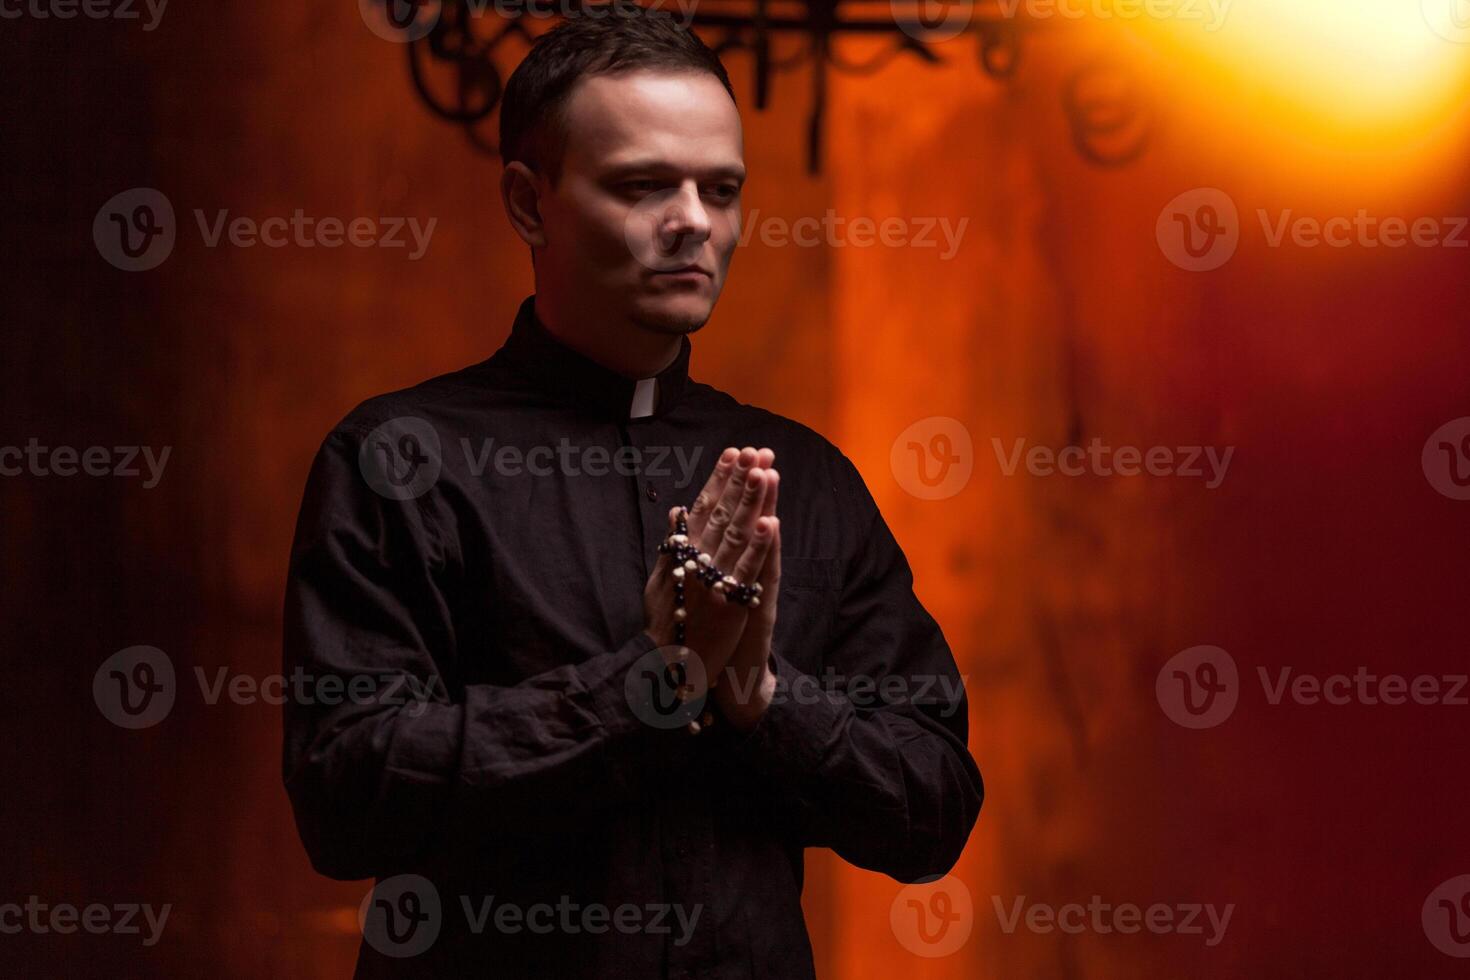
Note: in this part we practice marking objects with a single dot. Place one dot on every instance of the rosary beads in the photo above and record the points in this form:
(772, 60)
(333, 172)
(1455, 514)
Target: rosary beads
(690, 561)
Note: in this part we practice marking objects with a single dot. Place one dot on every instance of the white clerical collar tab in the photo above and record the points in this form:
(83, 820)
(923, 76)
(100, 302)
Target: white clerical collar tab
(643, 397)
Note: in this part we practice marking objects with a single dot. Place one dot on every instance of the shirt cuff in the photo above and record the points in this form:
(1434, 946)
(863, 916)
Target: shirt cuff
(605, 679)
(800, 725)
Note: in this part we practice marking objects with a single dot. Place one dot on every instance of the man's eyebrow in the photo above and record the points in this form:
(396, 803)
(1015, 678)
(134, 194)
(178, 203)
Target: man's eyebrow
(731, 172)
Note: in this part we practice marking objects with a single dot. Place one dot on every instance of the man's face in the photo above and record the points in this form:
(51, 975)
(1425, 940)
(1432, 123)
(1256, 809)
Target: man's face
(644, 219)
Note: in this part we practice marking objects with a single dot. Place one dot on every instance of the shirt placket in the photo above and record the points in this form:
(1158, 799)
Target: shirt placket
(684, 816)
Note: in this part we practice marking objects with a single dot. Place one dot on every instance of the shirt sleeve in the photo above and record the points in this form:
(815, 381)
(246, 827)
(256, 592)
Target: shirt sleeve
(402, 763)
(883, 777)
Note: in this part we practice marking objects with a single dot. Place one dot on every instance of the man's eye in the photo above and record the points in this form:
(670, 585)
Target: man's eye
(726, 192)
(638, 186)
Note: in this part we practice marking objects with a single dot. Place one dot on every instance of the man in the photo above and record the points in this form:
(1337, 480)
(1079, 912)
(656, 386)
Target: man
(477, 571)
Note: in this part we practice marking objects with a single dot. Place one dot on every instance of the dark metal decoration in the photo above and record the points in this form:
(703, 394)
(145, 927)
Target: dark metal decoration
(453, 45)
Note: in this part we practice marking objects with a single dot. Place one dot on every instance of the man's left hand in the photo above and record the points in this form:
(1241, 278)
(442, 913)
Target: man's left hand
(744, 690)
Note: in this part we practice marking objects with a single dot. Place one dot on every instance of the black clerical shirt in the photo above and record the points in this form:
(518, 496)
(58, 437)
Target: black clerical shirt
(464, 611)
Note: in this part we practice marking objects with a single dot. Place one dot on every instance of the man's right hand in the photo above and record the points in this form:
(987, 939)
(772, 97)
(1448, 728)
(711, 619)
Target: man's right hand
(726, 522)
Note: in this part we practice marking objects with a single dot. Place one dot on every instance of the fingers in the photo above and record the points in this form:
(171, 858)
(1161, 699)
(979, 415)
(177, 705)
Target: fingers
(738, 532)
(724, 507)
(661, 563)
(770, 572)
(754, 558)
(710, 494)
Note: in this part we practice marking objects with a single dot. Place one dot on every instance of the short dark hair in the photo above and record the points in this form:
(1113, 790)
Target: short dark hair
(620, 37)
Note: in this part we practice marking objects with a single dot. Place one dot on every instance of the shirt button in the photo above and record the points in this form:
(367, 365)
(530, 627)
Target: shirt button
(650, 492)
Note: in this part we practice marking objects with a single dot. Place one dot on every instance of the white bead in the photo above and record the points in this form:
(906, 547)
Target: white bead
(729, 581)
(680, 539)
(679, 572)
(681, 614)
(755, 601)
(705, 558)
(690, 565)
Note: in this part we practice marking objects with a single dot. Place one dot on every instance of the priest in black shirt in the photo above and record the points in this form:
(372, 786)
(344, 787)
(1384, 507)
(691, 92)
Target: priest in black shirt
(495, 720)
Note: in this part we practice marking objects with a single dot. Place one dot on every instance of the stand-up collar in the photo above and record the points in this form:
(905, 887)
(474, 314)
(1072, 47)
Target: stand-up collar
(577, 379)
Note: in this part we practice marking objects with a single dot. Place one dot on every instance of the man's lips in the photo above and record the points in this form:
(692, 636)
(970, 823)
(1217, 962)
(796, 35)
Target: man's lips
(686, 270)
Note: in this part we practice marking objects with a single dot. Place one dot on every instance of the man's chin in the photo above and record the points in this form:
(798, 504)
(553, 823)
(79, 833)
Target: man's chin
(671, 314)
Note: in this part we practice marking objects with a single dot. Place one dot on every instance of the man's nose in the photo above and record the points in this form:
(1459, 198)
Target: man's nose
(684, 216)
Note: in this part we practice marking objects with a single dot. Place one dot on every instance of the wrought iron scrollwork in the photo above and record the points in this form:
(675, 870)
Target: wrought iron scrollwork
(453, 64)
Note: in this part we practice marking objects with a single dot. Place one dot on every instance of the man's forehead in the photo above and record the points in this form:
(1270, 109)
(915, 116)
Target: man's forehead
(678, 117)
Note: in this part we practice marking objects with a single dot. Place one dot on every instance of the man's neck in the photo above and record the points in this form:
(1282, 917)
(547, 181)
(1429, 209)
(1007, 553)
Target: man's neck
(618, 346)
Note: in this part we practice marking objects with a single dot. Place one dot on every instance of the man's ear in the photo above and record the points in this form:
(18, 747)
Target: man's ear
(520, 191)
